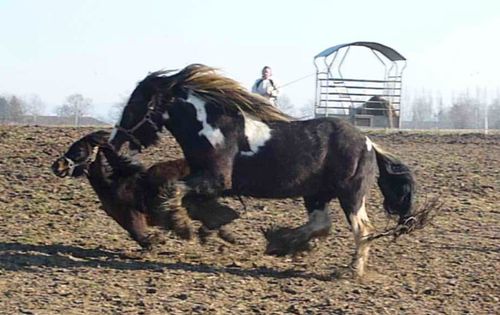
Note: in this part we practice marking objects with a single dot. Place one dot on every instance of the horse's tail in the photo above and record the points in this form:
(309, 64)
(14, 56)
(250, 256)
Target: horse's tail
(396, 182)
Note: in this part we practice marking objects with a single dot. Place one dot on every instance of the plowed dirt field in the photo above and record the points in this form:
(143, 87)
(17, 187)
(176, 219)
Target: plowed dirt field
(61, 254)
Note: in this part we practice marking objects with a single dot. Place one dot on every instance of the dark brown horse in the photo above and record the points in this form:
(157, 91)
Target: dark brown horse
(237, 143)
(133, 196)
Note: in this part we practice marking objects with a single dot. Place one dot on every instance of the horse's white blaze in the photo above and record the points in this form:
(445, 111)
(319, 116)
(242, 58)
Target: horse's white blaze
(213, 135)
(360, 227)
(257, 133)
(319, 220)
(369, 144)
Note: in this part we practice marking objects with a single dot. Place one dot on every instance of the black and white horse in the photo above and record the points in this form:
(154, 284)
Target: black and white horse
(237, 143)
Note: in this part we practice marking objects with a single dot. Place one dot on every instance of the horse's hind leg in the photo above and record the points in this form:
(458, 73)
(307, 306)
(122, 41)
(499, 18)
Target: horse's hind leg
(285, 241)
(355, 211)
(319, 222)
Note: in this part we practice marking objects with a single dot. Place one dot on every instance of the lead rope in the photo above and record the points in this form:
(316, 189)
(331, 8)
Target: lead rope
(296, 80)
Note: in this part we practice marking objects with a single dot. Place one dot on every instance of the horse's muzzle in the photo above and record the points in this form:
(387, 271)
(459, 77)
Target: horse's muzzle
(60, 167)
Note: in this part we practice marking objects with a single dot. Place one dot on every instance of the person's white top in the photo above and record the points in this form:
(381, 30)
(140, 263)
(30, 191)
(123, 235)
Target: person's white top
(267, 88)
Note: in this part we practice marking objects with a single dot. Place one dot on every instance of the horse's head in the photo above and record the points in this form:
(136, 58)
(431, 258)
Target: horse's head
(144, 114)
(80, 155)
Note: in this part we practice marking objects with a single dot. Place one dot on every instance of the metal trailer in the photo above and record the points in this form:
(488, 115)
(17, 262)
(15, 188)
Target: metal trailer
(365, 102)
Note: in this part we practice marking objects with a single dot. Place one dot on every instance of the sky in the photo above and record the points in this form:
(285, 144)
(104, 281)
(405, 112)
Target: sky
(101, 49)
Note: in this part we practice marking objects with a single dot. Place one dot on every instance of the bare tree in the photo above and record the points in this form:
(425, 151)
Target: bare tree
(75, 106)
(16, 109)
(494, 114)
(35, 107)
(422, 108)
(306, 110)
(4, 109)
(285, 104)
(464, 112)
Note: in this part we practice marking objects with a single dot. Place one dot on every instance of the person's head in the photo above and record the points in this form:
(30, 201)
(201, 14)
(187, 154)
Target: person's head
(266, 72)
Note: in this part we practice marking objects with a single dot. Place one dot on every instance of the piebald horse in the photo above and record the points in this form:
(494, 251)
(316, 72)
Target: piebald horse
(237, 143)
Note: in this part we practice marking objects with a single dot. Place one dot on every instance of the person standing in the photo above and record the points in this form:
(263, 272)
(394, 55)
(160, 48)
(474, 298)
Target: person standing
(266, 86)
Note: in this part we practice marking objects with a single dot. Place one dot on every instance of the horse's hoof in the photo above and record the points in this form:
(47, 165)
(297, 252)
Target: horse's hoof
(357, 270)
(227, 236)
(346, 272)
(181, 225)
(285, 241)
(284, 250)
(184, 232)
(152, 240)
(146, 244)
(203, 234)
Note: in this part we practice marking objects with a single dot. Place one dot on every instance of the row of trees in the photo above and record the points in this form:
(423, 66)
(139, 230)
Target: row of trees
(425, 110)
(15, 109)
(464, 112)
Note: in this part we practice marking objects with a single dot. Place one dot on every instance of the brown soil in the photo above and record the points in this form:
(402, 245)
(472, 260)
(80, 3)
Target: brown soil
(60, 253)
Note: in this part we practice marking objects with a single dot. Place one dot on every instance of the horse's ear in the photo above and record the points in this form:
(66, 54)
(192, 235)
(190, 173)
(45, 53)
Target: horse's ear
(170, 87)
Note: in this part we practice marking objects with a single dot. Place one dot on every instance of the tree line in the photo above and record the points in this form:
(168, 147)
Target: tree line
(466, 111)
(14, 109)
(423, 111)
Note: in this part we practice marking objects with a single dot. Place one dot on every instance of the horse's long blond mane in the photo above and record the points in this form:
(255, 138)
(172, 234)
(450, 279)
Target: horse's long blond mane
(213, 87)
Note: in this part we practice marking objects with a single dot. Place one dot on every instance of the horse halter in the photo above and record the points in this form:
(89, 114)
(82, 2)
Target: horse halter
(89, 160)
(146, 119)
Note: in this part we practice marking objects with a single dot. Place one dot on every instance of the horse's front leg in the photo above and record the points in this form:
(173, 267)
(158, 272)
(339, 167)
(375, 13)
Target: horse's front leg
(179, 216)
(199, 190)
(135, 223)
(216, 176)
(213, 215)
(207, 184)
(355, 211)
